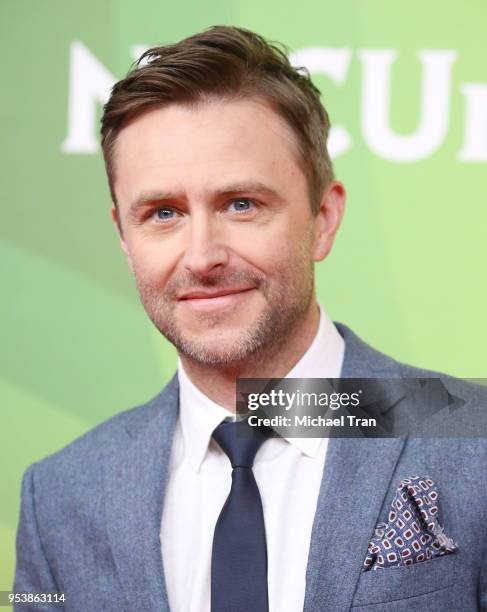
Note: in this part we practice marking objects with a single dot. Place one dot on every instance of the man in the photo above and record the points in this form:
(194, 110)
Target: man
(223, 198)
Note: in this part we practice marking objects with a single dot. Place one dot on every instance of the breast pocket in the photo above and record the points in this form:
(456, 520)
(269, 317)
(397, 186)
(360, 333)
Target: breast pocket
(396, 583)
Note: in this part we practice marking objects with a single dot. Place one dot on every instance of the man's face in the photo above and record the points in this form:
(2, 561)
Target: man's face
(217, 227)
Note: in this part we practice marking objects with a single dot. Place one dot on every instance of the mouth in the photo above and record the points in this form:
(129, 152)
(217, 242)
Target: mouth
(208, 295)
(207, 300)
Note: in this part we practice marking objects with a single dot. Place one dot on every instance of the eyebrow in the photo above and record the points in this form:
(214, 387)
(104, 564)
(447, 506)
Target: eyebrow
(146, 198)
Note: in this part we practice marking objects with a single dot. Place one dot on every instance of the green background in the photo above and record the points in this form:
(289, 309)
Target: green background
(407, 272)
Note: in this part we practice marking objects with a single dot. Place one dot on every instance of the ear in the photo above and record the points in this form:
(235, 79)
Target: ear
(123, 244)
(332, 207)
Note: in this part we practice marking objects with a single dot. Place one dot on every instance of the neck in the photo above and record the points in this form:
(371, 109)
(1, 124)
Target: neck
(219, 384)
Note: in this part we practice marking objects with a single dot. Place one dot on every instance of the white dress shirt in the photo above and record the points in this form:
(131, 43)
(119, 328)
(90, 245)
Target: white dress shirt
(288, 473)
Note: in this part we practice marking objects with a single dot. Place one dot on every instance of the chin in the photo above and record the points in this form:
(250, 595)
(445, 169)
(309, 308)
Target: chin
(222, 350)
(218, 342)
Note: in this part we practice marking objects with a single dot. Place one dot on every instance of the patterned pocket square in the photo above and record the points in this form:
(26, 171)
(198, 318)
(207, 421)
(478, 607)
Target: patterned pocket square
(413, 533)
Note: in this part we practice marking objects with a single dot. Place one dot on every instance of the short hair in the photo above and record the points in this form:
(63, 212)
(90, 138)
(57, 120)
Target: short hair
(226, 62)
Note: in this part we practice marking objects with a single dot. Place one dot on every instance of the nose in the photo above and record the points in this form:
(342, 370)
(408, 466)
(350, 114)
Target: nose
(205, 250)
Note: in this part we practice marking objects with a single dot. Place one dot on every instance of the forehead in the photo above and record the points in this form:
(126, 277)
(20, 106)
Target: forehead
(196, 147)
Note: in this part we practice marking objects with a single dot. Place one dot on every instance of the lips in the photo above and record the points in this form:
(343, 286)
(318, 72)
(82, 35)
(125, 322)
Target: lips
(206, 295)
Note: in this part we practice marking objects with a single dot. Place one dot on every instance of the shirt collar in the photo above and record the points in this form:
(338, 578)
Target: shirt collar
(323, 359)
(199, 415)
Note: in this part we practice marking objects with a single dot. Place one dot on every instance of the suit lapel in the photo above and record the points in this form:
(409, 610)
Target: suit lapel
(355, 481)
(135, 481)
(356, 478)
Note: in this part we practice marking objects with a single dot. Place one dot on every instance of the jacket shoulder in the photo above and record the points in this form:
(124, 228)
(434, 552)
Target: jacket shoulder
(86, 452)
(363, 361)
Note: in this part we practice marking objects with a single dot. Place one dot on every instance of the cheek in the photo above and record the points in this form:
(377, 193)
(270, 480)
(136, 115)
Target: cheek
(279, 262)
(153, 261)
(260, 248)
(276, 254)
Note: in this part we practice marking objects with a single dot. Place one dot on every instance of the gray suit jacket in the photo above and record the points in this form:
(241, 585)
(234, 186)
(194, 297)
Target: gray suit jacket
(91, 513)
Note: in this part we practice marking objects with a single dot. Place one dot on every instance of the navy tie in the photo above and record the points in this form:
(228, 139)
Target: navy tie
(239, 556)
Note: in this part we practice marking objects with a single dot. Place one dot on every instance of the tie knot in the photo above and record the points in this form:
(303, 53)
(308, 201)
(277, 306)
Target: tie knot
(240, 441)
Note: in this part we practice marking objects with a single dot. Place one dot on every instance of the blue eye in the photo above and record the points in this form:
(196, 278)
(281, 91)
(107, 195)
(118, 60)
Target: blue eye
(165, 214)
(241, 205)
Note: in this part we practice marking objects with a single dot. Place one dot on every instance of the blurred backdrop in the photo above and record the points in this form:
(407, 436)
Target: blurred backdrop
(406, 88)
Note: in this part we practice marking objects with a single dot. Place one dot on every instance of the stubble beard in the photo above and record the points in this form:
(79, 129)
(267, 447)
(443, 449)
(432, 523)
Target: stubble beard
(286, 304)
